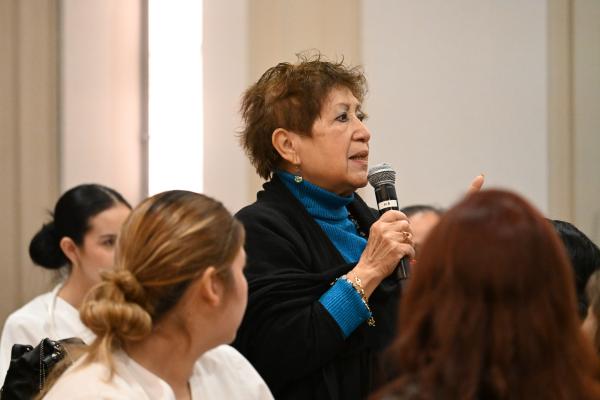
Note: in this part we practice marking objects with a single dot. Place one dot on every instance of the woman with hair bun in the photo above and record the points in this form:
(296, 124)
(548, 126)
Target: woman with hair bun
(78, 242)
(162, 316)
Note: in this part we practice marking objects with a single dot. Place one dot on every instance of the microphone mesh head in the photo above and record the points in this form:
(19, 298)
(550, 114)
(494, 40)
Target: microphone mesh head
(381, 174)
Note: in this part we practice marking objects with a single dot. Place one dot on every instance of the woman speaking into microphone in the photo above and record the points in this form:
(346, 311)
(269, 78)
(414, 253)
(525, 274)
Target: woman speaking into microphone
(322, 300)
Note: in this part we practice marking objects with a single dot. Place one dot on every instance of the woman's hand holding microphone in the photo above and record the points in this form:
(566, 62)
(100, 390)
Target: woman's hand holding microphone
(390, 240)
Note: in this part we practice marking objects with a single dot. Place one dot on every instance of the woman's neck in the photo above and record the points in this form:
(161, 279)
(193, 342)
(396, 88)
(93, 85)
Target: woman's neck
(73, 291)
(167, 354)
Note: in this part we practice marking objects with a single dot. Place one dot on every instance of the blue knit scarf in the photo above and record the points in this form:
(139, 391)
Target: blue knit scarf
(329, 210)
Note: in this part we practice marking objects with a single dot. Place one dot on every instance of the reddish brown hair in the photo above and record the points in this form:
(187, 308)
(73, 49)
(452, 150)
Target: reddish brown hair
(290, 96)
(490, 312)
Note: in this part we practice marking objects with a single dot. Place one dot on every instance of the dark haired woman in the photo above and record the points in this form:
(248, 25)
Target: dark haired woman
(584, 256)
(490, 311)
(79, 241)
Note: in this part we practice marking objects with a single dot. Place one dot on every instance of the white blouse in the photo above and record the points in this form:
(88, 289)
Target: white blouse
(221, 373)
(46, 316)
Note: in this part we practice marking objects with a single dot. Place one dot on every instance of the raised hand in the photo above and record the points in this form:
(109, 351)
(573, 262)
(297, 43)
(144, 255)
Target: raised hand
(476, 184)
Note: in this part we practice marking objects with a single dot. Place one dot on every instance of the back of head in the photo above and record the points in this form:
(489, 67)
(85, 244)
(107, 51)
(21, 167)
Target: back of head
(490, 310)
(166, 243)
(290, 96)
(422, 218)
(71, 216)
(584, 256)
(419, 208)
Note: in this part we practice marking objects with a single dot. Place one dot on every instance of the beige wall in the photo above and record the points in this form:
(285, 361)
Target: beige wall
(102, 104)
(28, 141)
(574, 121)
(560, 110)
(586, 116)
(225, 57)
(280, 29)
(507, 88)
(457, 89)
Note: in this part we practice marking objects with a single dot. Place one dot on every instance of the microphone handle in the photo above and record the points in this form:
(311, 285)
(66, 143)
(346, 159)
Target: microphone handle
(387, 199)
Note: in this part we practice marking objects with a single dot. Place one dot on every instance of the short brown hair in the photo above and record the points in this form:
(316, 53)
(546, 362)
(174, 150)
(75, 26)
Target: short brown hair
(290, 96)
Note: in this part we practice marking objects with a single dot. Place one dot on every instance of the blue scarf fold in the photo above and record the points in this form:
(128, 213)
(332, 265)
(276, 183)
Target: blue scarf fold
(329, 210)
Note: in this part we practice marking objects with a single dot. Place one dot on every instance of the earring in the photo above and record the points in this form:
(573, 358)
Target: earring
(298, 176)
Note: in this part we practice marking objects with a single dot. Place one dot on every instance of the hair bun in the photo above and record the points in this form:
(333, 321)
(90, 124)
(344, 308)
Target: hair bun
(128, 284)
(117, 308)
(123, 321)
(44, 248)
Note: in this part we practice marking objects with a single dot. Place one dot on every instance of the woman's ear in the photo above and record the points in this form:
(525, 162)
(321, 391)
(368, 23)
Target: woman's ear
(284, 142)
(209, 287)
(69, 248)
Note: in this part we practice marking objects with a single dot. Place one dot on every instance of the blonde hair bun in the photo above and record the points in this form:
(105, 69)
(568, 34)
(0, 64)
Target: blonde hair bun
(117, 308)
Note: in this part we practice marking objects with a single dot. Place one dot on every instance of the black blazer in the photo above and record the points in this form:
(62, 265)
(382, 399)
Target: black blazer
(289, 337)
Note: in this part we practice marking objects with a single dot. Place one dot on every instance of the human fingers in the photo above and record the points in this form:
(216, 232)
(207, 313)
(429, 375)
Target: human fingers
(476, 184)
(407, 250)
(389, 228)
(393, 215)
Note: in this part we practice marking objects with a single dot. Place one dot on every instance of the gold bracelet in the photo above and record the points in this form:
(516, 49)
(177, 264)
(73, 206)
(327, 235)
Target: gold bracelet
(357, 285)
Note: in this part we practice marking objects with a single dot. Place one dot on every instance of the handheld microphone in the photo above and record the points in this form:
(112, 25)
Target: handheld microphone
(383, 177)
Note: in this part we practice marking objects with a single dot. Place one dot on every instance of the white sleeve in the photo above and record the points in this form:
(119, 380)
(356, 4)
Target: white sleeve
(17, 329)
(88, 389)
(230, 375)
(251, 379)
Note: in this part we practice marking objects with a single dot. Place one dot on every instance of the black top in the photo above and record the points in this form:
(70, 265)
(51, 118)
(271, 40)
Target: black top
(289, 337)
